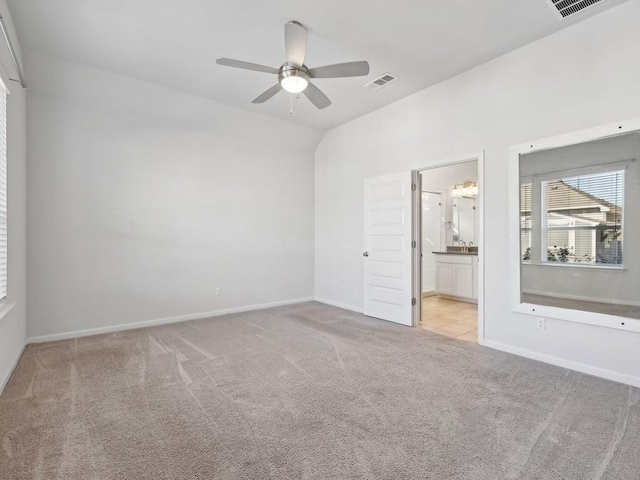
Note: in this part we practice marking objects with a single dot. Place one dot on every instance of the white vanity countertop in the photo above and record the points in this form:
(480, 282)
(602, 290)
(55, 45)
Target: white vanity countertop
(475, 254)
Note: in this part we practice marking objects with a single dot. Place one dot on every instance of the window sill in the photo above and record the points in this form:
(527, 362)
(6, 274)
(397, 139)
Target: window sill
(580, 316)
(5, 308)
(616, 268)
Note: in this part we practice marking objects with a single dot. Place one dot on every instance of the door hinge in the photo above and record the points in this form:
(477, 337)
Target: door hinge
(414, 244)
(413, 187)
(413, 301)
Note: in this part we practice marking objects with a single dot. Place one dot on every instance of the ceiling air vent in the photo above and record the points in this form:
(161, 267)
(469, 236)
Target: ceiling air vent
(378, 83)
(566, 8)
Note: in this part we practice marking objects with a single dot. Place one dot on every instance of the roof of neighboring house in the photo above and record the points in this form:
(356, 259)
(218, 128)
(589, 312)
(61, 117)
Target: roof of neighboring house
(567, 200)
(562, 194)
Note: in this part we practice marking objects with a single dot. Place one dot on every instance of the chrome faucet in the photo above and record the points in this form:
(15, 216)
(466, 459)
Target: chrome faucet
(464, 247)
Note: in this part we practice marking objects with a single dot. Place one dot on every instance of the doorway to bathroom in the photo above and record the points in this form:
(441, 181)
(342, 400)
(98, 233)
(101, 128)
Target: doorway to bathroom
(448, 221)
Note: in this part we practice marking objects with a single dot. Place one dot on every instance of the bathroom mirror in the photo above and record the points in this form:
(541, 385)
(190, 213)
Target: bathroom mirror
(463, 215)
(579, 211)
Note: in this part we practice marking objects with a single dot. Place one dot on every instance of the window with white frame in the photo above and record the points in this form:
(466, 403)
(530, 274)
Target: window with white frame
(3, 192)
(525, 222)
(582, 219)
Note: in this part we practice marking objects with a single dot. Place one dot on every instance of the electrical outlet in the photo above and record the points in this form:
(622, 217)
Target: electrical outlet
(541, 323)
(218, 292)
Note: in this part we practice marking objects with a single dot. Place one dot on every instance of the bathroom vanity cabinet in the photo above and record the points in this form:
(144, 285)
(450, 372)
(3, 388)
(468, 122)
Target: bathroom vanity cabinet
(457, 275)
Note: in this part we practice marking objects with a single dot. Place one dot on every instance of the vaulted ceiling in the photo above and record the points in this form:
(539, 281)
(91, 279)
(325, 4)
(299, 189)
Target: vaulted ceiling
(175, 44)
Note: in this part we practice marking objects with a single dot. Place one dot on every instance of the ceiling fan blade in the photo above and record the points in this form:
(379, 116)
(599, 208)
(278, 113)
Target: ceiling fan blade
(315, 96)
(228, 62)
(267, 94)
(341, 70)
(295, 42)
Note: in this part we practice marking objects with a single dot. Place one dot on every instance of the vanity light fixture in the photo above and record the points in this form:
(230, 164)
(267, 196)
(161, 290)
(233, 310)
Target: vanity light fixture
(466, 189)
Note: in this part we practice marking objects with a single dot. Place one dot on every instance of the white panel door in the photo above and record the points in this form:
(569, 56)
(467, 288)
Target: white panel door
(388, 253)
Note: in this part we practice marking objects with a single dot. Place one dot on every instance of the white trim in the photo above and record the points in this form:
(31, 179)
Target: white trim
(416, 253)
(161, 321)
(579, 316)
(7, 377)
(571, 365)
(480, 201)
(4, 77)
(592, 266)
(580, 136)
(467, 157)
(513, 226)
(591, 170)
(339, 305)
(631, 303)
(470, 301)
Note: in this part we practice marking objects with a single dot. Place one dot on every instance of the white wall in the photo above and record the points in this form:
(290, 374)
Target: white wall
(583, 76)
(143, 200)
(13, 311)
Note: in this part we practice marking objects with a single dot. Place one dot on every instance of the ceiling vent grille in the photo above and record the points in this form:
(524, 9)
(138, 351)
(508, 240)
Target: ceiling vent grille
(566, 8)
(382, 81)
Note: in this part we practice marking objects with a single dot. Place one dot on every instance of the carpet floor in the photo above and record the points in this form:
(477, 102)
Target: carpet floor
(307, 391)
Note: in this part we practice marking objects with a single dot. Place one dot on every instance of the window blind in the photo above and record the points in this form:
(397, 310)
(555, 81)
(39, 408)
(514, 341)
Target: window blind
(583, 218)
(525, 222)
(3, 192)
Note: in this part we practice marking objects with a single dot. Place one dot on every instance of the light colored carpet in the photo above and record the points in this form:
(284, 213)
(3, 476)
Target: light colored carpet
(307, 392)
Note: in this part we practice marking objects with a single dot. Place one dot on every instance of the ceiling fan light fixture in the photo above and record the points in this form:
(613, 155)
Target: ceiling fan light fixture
(294, 84)
(293, 79)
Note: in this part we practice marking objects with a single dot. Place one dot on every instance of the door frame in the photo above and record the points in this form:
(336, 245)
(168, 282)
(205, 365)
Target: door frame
(416, 222)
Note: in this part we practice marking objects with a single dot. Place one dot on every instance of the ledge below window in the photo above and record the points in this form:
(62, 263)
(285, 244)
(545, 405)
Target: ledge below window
(5, 309)
(615, 268)
(580, 316)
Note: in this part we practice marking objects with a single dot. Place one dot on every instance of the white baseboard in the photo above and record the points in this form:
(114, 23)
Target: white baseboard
(571, 365)
(5, 379)
(473, 301)
(630, 303)
(339, 305)
(161, 321)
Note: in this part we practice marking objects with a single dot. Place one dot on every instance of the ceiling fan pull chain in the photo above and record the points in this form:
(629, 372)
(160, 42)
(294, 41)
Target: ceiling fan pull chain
(291, 112)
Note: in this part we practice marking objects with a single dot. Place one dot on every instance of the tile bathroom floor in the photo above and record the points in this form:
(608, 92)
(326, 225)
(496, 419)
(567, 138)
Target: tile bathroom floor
(450, 318)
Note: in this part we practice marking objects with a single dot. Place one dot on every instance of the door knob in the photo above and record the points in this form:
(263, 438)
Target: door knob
(365, 254)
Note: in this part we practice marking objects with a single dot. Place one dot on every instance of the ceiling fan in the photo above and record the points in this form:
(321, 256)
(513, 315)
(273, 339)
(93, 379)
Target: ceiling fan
(293, 75)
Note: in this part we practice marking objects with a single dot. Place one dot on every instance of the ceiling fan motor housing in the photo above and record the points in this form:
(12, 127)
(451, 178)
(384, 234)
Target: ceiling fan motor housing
(290, 74)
